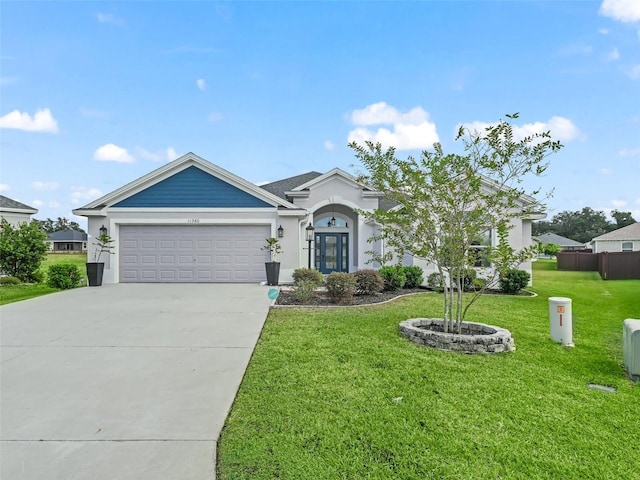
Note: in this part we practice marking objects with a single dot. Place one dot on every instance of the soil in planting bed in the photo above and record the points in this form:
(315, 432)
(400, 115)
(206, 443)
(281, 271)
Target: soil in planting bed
(321, 298)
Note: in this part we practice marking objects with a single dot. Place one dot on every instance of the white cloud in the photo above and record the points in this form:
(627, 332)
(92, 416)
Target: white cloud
(37, 203)
(605, 171)
(603, 31)
(113, 153)
(633, 72)
(82, 194)
(109, 18)
(4, 187)
(201, 84)
(629, 152)
(53, 204)
(627, 11)
(410, 130)
(614, 54)
(214, 117)
(619, 203)
(561, 128)
(165, 155)
(328, 145)
(42, 121)
(45, 186)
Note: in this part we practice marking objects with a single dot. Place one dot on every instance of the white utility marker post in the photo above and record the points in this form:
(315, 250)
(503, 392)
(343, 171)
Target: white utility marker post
(561, 320)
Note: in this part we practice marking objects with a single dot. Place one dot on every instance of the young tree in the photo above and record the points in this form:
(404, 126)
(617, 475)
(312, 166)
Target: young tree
(22, 249)
(446, 202)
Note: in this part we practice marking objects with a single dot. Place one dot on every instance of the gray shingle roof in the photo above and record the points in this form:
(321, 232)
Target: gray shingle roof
(558, 240)
(279, 187)
(67, 236)
(6, 202)
(630, 232)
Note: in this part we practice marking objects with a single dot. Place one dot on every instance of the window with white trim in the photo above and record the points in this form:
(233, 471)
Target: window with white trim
(481, 246)
(627, 246)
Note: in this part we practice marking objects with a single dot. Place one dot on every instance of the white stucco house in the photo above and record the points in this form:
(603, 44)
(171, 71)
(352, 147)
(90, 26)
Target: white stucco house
(15, 212)
(192, 221)
(625, 239)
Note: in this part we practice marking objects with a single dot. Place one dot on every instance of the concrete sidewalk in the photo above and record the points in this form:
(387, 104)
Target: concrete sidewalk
(128, 381)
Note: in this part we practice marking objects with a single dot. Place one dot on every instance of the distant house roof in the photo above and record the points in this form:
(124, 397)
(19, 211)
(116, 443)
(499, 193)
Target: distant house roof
(558, 240)
(279, 187)
(630, 232)
(9, 205)
(67, 236)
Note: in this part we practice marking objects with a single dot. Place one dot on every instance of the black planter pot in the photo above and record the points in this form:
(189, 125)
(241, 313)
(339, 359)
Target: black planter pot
(273, 272)
(94, 274)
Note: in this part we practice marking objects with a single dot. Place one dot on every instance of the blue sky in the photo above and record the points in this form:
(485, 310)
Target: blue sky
(96, 94)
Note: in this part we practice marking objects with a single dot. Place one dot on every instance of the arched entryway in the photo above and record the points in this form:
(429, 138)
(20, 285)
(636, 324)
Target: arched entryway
(334, 238)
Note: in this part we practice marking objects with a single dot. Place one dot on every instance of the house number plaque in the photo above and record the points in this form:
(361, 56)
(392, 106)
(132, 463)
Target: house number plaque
(193, 220)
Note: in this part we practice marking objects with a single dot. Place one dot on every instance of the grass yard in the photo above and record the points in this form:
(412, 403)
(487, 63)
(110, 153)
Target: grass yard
(15, 293)
(338, 394)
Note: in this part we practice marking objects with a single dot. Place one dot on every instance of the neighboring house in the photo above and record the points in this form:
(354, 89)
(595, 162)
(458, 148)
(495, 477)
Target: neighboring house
(563, 242)
(67, 241)
(625, 239)
(15, 212)
(192, 221)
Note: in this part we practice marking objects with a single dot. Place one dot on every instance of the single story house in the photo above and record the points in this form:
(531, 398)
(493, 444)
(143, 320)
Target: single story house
(192, 221)
(15, 212)
(625, 239)
(565, 243)
(67, 241)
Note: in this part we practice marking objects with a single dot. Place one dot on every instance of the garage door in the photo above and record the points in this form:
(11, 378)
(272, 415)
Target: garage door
(192, 253)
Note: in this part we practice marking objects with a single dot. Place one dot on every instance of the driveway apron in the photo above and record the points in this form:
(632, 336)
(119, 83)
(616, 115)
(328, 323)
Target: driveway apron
(126, 381)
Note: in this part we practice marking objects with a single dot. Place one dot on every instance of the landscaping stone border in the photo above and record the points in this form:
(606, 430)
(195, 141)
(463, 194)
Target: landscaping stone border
(476, 337)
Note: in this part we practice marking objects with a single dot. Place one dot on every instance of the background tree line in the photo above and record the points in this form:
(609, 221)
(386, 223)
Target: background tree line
(61, 223)
(583, 225)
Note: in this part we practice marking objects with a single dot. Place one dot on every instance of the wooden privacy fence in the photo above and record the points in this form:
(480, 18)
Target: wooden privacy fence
(610, 265)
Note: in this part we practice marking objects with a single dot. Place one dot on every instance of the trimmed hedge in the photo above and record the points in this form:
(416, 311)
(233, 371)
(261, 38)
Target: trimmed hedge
(514, 280)
(368, 282)
(63, 276)
(307, 275)
(414, 276)
(394, 277)
(340, 286)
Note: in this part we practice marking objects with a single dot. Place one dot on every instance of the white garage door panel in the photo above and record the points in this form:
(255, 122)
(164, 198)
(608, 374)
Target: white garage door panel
(194, 253)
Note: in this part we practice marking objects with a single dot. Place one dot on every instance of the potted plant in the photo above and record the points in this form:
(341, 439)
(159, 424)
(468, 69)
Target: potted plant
(95, 269)
(272, 267)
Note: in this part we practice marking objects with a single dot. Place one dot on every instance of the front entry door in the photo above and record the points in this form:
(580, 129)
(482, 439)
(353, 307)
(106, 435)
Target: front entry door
(332, 252)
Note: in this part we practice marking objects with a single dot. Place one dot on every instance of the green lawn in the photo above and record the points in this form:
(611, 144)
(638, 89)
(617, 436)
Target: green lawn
(15, 293)
(338, 394)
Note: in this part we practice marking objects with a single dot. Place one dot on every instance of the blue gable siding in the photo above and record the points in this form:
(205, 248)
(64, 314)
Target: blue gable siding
(193, 187)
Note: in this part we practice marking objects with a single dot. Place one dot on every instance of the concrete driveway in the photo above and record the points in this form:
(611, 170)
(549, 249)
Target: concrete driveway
(128, 381)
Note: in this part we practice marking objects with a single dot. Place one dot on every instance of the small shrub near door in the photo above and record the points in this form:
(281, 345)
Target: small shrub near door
(394, 277)
(307, 275)
(368, 282)
(304, 291)
(63, 276)
(340, 286)
(514, 280)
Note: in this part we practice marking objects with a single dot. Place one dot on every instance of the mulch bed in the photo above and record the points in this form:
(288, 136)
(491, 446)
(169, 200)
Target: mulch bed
(321, 299)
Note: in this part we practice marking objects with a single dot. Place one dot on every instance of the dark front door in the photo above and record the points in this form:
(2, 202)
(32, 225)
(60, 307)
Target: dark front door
(332, 252)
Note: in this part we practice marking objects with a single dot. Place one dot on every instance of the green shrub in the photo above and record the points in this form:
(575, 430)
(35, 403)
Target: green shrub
(340, 286)
(394, 277)
(22, 250)
(436, 282)
(304, 291)
(514, 280)
(414, 276)
(307, 275)
(63, 276)
(10, 280)
(368, 282)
